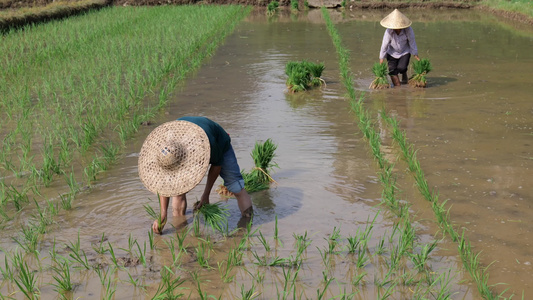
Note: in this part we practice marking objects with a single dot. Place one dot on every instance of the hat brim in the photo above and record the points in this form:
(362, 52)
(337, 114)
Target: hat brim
(188, 172)
(395, 20)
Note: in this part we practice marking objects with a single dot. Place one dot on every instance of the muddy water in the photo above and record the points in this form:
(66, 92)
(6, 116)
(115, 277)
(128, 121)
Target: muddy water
(471, 126)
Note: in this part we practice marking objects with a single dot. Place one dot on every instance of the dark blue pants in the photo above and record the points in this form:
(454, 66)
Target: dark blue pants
(398, 65)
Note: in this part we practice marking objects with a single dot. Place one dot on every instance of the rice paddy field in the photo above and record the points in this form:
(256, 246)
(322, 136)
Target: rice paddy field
(393, 194)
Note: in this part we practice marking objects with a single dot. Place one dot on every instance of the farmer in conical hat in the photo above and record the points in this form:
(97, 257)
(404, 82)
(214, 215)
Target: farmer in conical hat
(175, 157)
(398, 45)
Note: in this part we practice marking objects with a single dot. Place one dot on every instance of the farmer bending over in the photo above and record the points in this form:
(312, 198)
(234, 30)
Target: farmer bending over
(398, 45)
(175, 157)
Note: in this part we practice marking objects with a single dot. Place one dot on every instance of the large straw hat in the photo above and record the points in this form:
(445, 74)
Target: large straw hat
(174, 158)
(396, 20)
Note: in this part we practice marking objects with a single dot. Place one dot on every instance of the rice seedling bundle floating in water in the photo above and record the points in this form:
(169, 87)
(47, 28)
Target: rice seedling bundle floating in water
(259, 177)
(420, 68)
(381, 71)
(303, 75)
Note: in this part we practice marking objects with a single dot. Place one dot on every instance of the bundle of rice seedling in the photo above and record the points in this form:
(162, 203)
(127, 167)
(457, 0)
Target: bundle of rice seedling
(420, 68)
(259, 177)
(215, 215)
(303, 74)
(380, 70)
(272, 7)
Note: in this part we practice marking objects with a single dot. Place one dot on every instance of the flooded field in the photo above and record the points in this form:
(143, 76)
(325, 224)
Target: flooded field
(471, 127)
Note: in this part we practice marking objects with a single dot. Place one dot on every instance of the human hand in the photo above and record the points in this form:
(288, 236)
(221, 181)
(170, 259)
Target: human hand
(417, 58)
(381, 60)
(156, 228)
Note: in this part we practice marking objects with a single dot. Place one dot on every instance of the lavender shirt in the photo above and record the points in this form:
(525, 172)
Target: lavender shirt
(397, 45)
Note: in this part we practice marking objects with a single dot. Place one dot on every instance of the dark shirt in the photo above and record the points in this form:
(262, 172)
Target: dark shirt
(219, 139)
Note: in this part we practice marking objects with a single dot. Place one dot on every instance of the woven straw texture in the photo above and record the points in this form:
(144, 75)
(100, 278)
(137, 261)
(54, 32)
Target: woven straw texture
(396, 20)
(174, 158)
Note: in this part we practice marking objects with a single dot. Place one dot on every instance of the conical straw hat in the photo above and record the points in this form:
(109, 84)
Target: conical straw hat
(396, 20)
(174, 158)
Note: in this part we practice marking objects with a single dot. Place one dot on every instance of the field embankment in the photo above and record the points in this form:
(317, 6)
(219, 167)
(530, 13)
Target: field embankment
(14, 14)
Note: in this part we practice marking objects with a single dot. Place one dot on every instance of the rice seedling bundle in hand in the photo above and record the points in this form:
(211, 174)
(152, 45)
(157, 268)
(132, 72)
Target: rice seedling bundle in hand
(259, 177)
(215, 216)
(303, 74)
(420, 68)
(381, 71)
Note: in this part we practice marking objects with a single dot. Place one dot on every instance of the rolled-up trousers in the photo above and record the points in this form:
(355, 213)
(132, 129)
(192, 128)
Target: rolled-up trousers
(398, 65)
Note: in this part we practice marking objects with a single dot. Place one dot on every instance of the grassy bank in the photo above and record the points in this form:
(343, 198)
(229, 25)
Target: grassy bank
(35, 12)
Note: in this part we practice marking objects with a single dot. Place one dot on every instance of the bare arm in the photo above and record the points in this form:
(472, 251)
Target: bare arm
(212, 175)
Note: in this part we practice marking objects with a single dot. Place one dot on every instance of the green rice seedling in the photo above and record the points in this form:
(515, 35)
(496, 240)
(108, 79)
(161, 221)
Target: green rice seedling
(215, 215)
(63, 282)
(265, 262)
(235, 257)
(380, 70)
(302, 242)
(263, 241)
(136, 282)
(66, 200)
(141, 254)
(29, 238)
(155, 216)
(72, 183)
(324, 255)
(43, 217)
(176, 255)
(19, 198)
(440, 288)
(203, 252)
(110, 152)
(78, 254)
(196, 278)
(131, 243)
(110, 287)
(250, 293)
(100, 249)
(272, 7)
(333, 240)
(180, 237)
(321, 293)
(421, 68)
(356, 280)
(50, 165)
(224, 268)
(380, 248)
(289, 283)
(7, 271)
(113, 256)
(362, 259)
(276, 232)
(151, 241)
(420, 259)
(26, 280)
